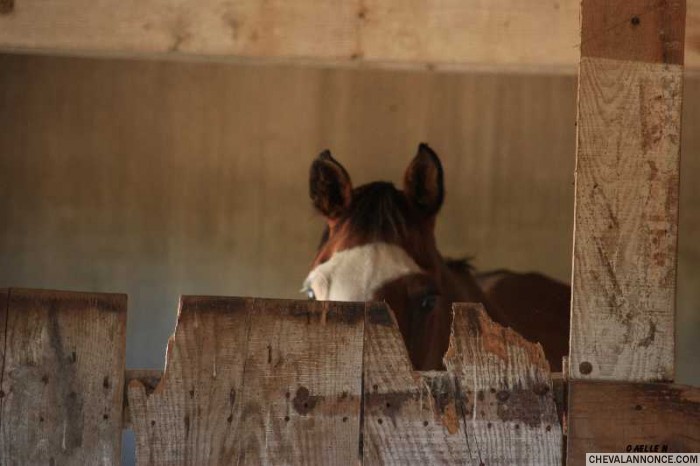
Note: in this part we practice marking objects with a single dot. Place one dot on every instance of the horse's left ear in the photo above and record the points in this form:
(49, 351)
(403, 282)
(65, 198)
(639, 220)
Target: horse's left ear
(330, 187)
(423, 181)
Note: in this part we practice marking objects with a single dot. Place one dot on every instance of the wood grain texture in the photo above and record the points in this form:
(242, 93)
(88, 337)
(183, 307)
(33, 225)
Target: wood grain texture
(510, 412)
(258, 381)
(151, 377)
(62, 377)
(409, 418)
(427, 33)
(626, 221)
(612, 416)
(302, 384)
(637, 30)
(255, 382)
(192, 415)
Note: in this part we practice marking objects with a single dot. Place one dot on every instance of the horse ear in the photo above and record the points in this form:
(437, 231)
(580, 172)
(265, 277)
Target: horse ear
(423, 181)
(329, 186)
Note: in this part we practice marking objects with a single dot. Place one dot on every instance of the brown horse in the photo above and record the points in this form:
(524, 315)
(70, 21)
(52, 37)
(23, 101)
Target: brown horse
(379, 244)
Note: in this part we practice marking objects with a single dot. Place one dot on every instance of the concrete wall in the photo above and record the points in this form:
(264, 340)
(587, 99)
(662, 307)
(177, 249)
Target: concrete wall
(159, 179)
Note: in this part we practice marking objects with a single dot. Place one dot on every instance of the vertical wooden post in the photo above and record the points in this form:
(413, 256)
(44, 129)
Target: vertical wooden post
(627, 173)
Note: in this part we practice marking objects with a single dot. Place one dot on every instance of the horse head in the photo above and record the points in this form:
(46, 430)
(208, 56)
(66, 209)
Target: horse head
(379, 244)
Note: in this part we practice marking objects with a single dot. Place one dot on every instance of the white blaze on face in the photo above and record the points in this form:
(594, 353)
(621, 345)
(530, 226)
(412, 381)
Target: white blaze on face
(355, 274)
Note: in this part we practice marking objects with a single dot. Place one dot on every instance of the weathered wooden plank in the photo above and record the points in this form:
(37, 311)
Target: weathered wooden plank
(432, 32)
(637, 30)
(626, 220)
(255, 382)
(302, 384)
(429, 33)
(454, 32)
(619, 417)
(62, 378)
(509, 411)
(409, 418)
(192, 415)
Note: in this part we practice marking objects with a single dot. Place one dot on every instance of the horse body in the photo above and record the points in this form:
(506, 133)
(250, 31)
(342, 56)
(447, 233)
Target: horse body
(379, 244)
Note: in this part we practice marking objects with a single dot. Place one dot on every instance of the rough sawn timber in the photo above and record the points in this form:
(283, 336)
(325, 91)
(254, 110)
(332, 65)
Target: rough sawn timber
(268, 382)
(428, 33)
(409, 417)
(302, 386)
(453, 33)
(627, 181)
(255, 382)
(192, 414)
(62, 381)
(510, 415)
(610, 416)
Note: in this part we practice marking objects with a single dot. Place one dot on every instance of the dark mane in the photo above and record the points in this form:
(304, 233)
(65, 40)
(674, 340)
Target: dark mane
(378, 212)
(460, 265)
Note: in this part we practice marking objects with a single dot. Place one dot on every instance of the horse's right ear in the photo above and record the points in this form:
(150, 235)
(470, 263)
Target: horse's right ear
(329, 186)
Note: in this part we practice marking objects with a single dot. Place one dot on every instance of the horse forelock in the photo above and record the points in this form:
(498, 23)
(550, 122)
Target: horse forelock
(378, 213)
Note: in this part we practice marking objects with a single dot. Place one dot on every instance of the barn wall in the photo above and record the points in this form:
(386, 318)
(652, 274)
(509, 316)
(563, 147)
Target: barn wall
(159, 178)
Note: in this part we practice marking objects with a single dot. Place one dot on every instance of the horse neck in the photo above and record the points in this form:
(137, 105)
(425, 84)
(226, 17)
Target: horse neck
(461, 286)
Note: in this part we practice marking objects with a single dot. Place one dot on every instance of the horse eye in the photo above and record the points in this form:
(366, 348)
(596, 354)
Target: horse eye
(428, 302)
(310, 294)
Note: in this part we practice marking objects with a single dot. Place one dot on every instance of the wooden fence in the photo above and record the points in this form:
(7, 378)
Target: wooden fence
(253, 381)
(258, 381)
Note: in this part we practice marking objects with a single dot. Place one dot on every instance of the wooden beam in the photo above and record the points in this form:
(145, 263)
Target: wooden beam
(616, 417)
(430, 33)
(627, 173)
